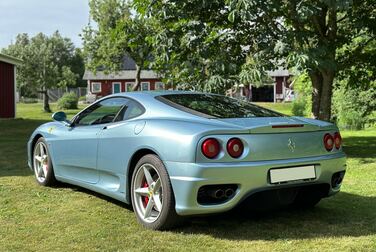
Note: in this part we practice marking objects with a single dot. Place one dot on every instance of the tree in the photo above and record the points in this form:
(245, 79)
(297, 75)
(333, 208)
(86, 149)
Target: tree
(315, 30)
(119, 34)
(308, 32)
(77, 65)
(194, 43)
(46, 63)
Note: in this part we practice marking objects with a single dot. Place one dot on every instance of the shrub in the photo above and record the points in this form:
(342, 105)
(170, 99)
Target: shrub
(298, 107)
(353, 108)
(302, 104)
(68, 101)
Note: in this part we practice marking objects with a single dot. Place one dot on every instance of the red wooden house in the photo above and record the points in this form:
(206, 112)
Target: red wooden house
(8, 86)
(101, 84)
(278, 90)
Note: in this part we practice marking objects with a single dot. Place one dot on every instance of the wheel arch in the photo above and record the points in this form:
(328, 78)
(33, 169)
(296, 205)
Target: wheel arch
(132, 165)
(32, 145)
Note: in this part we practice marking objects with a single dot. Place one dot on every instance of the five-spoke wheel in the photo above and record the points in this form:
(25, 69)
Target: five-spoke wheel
(152, 197)
(42, 163)
(148, 192)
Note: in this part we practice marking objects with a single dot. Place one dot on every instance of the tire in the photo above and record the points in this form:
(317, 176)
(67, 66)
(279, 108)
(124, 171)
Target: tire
(42, 164)
(152, 196)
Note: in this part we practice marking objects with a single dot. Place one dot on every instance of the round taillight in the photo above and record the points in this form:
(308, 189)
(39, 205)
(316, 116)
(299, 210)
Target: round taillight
(210, 148)
(328, 142)
(337, 140)
(235, 147)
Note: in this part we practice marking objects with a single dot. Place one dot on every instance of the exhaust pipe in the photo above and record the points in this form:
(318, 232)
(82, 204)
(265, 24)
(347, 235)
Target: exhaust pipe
(218, 194)
(337, 179)
(229, 192)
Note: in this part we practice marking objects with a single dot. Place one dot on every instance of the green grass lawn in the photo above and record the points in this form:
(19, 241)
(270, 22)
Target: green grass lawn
(67, 218)
(284, 108)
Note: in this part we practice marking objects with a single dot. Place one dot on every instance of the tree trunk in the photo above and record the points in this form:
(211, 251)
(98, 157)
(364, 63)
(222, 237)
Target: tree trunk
(138, 78)
(316, 80)
(326, 95)
(322, 83)
(46, 105)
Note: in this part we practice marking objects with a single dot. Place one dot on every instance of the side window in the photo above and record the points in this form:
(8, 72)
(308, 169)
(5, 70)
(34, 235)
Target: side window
(102, 112)
(134, 109)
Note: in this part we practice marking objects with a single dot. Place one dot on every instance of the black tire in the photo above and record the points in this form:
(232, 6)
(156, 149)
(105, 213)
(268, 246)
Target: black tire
(167, 217)
(49, 179)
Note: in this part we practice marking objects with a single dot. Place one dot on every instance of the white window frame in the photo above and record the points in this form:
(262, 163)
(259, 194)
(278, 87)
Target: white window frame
(143, 82)
(159, 82)
(113, 86)
(100, 87)
(127, 84)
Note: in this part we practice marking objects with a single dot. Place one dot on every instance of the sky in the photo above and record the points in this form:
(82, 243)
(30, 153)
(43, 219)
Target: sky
(47, 16)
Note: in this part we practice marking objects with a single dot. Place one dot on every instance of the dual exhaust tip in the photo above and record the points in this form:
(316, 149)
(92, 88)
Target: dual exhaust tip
(216, 194)
(222, 194)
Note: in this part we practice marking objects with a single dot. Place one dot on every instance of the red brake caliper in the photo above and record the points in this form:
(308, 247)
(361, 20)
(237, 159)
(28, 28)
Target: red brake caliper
(145, 199)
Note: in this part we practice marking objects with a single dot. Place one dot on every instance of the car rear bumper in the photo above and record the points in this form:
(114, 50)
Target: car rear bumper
(250, 177)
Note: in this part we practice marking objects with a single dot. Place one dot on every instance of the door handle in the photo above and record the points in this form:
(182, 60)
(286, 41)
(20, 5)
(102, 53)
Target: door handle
(105, 127)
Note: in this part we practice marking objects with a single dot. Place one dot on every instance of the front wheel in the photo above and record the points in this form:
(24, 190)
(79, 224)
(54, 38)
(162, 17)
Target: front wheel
(42, 165)
(152, 196)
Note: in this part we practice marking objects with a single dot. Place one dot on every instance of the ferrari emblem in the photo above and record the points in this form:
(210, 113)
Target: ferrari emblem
(291, 145)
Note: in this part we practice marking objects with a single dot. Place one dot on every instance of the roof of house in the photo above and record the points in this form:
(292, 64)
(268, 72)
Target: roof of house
(280, 72)
(120, 75)
(127, 72)
(9, 59)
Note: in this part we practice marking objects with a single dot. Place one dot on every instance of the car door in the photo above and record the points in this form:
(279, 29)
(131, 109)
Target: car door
(77, 148)
(116, 145)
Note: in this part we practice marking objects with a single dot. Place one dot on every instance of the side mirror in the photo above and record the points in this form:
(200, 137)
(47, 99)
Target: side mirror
(61, 117)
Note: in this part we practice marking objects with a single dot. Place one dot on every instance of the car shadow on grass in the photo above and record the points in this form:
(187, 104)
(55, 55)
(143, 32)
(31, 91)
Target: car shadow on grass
(94, 194)
(345, 214)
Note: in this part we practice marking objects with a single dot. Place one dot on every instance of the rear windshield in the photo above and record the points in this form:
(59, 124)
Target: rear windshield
(215, 106)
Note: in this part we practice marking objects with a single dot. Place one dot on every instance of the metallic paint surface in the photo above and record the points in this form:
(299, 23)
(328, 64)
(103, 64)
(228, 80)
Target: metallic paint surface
(98, 157)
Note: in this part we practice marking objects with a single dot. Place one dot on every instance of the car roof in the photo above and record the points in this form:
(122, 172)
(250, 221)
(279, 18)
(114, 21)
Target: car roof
(139, 94)
(155, 108)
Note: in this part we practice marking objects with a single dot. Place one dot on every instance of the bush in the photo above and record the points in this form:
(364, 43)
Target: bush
(302, 104)
(298, 107)
(68, 101)
(353, 108)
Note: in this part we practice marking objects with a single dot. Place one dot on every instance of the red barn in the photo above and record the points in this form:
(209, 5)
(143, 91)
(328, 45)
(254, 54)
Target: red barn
(8, 86)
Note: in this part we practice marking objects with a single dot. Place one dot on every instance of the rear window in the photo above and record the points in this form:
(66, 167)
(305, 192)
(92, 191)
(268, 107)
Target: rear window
(215, 106)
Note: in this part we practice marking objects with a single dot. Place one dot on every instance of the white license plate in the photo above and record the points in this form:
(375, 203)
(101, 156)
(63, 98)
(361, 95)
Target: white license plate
(292, 173)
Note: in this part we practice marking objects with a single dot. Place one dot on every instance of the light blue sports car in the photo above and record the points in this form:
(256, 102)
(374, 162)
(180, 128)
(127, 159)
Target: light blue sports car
(174, 154)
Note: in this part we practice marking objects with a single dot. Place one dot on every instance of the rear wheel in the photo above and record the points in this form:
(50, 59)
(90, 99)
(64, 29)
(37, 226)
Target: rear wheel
(42, 165)
(152, 196)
